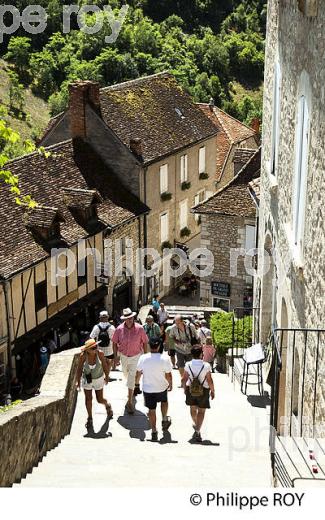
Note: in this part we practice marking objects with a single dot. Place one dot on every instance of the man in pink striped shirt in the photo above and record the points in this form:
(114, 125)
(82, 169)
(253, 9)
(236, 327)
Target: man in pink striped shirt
(130, 341)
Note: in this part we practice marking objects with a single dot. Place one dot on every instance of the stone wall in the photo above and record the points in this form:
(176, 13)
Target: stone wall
(31, 429)
(297, 42)
(220, 234)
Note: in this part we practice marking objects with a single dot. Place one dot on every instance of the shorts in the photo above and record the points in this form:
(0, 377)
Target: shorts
(151, 400)
(202, 402)
(129, 368)
(172, 352)
(110, 357)
(96, 384)
(182, 359)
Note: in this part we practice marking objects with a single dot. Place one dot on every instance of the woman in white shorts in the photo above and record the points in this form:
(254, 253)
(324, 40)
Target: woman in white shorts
(93, 370)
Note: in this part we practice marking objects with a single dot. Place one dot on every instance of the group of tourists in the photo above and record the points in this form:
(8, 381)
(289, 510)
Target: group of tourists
(142, 352)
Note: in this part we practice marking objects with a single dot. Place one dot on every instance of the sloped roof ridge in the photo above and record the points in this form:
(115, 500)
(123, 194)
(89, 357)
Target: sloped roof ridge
(231, 182)
(37, 152)
(237, 121)
(137, 81)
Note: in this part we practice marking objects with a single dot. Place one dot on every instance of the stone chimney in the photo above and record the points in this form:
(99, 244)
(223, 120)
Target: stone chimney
(256, 125)
(211, 104)
(136, 146)
(80, 94)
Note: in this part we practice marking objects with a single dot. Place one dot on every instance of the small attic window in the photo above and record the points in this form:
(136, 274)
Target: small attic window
(179, 113)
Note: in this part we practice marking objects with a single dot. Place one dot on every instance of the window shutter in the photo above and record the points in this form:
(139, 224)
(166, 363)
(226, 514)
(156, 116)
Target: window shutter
(184, 170)
(164, 228)
(202, 165)
(183, 212)
(196, 202)
(301, 170)
(164, 178)
(250, 242)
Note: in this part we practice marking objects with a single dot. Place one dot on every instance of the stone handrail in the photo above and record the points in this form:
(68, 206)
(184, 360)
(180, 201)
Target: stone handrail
(30, 429)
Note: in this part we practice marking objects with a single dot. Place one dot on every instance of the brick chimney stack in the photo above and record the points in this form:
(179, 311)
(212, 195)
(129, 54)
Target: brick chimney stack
(136, 146)
(81, 93)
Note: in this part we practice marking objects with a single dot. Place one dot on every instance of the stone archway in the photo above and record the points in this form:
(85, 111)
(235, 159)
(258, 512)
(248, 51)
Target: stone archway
(282, 414)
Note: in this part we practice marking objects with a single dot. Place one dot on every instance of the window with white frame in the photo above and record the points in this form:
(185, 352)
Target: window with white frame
(164, 227)
(164, 178)
(301, 171)
(276, 118)
(202, 162)
(201, 196)
(184, 168)
(250, 241)
(183, 213)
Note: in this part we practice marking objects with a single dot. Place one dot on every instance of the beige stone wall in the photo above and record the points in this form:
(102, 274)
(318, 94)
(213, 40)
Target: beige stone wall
(39, 424)
(174, 187)
(221, 234)
(299, 42)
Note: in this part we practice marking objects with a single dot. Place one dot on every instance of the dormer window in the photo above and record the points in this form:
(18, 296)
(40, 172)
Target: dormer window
(44, 222)
(83, 205)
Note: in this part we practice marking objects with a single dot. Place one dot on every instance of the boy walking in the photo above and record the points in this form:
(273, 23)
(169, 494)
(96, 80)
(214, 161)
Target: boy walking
(198, 386)
(155, 368)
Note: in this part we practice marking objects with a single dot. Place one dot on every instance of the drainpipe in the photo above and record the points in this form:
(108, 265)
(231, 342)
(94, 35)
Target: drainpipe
(5, 284)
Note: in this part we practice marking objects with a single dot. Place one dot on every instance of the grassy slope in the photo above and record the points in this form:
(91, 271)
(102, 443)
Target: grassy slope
(34, 106)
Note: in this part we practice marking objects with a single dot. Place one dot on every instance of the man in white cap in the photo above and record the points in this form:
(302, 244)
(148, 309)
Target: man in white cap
(130, 341)
(103, 332)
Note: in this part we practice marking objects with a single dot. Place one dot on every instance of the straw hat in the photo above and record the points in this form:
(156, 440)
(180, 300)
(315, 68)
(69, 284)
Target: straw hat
(127, 313)
(90, 343)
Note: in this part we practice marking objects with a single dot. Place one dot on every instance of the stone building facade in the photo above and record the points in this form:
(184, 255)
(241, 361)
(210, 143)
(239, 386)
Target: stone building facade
(159, 143)
(290, 292)
(228, 224)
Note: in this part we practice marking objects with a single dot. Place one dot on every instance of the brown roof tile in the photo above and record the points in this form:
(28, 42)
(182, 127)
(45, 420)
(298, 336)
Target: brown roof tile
(231, 132)
(42, 216)
(45, 179)
(234, 198)
(78, 198)
(156, 110)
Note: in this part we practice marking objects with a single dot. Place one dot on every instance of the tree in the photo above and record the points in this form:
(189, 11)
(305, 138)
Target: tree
(8, 138)
(16, 94)
(18, 53)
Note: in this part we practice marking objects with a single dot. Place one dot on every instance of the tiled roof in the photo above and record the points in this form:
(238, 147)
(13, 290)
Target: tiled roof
(234, 198)
(45, 179)
(156, 110)
(42, 216)
(78, 198)
(255, 189)
(242, 155)
(231, 132)
(51, 125)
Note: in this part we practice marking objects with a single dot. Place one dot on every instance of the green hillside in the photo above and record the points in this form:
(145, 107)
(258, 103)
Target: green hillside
(35, 115)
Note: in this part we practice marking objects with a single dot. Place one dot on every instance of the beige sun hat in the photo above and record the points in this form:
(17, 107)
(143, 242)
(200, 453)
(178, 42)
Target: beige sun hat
(127, 313)
(90, 343)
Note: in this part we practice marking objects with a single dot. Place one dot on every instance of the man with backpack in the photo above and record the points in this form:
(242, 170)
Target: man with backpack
(198, 386)
(184, 336)
(103, 333)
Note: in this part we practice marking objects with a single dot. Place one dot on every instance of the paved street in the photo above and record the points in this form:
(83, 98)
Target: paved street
(123, 454)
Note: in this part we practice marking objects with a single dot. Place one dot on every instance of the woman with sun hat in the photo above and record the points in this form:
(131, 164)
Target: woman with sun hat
(93, 373)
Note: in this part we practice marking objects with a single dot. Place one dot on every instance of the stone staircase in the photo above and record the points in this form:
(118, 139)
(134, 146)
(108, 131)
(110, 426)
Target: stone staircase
(121, 454)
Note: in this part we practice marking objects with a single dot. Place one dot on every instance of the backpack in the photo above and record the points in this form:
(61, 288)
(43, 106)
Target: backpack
(103, 336)
(196, 387)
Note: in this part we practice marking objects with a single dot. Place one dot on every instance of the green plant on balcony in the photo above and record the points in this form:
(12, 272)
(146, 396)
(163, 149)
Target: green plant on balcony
(185, 185)
(185, 232)
(203, 175)
(166, 245)
(165, 196)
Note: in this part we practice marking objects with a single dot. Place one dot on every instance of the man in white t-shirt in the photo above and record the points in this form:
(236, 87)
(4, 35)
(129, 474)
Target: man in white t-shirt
(201, 370)
(103, 332)
(156, 370)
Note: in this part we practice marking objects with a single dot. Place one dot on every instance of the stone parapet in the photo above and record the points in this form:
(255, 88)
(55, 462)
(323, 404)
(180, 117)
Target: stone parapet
(29, 430)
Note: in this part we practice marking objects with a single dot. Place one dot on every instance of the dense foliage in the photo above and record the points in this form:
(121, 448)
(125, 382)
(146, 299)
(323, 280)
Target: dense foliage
(221, 325)
(211, 46)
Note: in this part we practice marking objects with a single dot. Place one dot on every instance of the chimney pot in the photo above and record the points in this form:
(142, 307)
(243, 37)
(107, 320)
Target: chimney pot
(211, 104)
(136, 146)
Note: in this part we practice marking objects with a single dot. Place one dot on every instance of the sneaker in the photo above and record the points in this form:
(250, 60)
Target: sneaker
(197, 437)
(154, 436)
(166, 423)
(137, 390)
